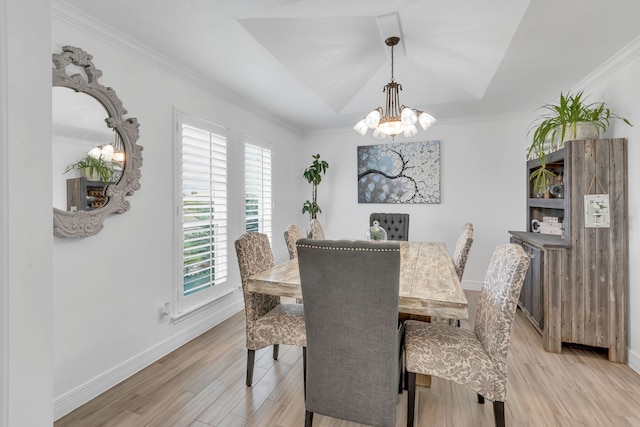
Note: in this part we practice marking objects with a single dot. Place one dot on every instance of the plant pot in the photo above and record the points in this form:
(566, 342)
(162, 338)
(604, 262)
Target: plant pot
(90, 176)
(580, 130)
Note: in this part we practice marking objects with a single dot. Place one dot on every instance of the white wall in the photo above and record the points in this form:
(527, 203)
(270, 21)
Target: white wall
(616, 83)
(25, 280)
(108, 288)
(483, 181)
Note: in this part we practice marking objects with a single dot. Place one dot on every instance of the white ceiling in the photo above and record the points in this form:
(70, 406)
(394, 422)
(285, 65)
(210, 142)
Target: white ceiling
(322, 64)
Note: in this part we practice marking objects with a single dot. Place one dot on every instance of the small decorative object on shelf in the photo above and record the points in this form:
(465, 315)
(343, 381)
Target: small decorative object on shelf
(376, 232)
(557, 189)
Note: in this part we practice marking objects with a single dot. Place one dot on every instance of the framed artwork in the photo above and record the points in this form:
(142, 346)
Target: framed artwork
(399, 173)
(596, 211)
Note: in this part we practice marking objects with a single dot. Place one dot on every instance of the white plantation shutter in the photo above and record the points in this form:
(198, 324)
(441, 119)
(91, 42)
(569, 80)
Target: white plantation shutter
(204, 206)
(257, 181)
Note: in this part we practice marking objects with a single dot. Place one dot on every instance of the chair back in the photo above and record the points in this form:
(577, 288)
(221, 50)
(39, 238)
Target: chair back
(463, 246)
(350, 292)
(316, 229)
(396, 224)
(291, 236)
(498, 301)
(254, 256)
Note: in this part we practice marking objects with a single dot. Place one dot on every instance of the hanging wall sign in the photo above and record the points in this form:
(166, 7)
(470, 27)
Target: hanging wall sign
(596, 207)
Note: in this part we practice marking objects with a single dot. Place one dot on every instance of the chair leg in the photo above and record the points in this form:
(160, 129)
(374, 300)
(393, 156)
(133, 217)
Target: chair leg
(304, 370)
(401, 359)
(411, 398)
(480, 398)
(308, 419)
(498, 413)
(276, 349)
(251, 357)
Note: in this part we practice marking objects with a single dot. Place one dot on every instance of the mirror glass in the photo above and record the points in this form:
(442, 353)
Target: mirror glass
(96, 161)
(78, 127)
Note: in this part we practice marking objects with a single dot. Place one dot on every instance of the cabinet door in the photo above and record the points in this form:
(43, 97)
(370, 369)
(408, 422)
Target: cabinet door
(535, 277)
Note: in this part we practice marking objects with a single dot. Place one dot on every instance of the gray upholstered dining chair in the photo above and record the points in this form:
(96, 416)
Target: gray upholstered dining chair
(291, 234)
(476, 359)
(350, 291)
(396, 224)
(268, 322)
(316, 229)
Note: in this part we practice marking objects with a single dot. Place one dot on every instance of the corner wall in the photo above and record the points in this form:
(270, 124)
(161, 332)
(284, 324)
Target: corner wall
(25, 217)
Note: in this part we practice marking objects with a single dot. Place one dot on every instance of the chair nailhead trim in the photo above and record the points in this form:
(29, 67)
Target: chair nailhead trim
(351, 249)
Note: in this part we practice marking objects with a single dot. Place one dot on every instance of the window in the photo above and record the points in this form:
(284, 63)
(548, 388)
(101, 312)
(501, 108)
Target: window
(202, 226)
(257, 184)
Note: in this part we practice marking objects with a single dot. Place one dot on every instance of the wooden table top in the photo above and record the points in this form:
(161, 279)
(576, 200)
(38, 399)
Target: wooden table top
(429, 284)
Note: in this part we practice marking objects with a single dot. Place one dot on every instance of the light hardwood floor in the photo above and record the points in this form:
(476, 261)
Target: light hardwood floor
(202, 385)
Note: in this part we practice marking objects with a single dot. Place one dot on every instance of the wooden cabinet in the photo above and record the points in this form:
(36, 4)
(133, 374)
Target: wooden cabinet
(531, 295)
(575, 289)
(84, 195)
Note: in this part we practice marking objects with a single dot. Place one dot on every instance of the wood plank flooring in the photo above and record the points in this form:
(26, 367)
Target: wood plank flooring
(202, 385)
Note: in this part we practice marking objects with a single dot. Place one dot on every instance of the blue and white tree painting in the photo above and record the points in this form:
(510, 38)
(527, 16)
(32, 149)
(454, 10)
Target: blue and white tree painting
(399, 173)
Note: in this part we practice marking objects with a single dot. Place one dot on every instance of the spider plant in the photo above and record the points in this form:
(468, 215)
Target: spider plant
(561, 118)
(94, 164)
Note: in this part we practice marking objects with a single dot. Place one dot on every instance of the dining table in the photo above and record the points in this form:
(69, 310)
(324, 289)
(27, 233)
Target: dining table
(429, 284)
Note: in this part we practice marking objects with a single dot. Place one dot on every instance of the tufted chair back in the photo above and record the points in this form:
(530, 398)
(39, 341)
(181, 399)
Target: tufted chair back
(353, 337)
(396, 224)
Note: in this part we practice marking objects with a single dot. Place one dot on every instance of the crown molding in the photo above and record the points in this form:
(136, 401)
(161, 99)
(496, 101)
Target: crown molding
(65, 12)
(627, 54)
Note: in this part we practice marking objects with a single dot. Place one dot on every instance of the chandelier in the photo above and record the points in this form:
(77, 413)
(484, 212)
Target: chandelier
(395, 118)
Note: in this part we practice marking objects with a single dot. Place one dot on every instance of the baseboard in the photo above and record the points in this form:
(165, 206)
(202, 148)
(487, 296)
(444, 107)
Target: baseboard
(633, 359)
(471, 285)
(75, 398)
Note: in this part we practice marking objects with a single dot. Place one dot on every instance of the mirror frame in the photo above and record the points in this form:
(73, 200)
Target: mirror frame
(89, 223)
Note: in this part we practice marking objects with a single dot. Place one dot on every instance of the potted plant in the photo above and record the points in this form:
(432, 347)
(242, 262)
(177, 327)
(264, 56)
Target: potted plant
(542, 177)
(313, 175)
(564, 120)
(96, 165)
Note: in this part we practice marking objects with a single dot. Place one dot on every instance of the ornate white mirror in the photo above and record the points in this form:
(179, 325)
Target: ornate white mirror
(96, 161)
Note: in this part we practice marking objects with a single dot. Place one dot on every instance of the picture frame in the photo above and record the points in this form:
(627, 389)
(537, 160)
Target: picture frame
(596, 211)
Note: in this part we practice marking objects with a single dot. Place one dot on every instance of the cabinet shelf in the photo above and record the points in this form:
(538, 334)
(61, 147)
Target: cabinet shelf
(546, 203)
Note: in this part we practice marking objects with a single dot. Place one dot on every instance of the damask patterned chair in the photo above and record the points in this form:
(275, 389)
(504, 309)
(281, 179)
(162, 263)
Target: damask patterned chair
(291, 236)
(316, 229)
(460, 255)
(476, 359)
(463, 247)
(268, 321)
(396, 224)
(353, 335)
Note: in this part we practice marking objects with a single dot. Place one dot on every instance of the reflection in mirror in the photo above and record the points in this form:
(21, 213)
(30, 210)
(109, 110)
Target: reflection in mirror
(96, 161)
(78, 127)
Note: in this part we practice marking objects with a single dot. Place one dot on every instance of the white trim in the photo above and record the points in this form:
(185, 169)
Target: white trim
(471, 285)
(633, 360)
(611, 66)
(73, 399)
(198, 308)
(91, 25)
(4, 223)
